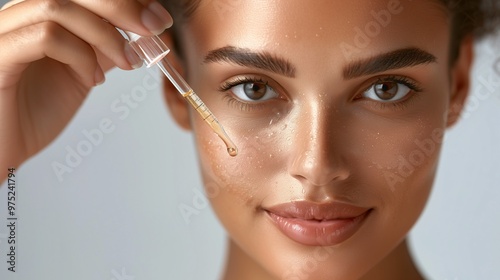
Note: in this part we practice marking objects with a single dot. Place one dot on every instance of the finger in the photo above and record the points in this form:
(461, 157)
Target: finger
(123, 13)
(144, 17)
(104, 61)
(147, 18)
(76, 19)
(21, 47)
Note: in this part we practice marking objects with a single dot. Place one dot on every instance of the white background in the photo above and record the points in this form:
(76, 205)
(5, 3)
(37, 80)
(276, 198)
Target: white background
(116, 215)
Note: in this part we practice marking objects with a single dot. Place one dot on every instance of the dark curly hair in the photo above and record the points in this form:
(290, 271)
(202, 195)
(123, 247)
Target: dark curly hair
(471, 17)
(468, 17)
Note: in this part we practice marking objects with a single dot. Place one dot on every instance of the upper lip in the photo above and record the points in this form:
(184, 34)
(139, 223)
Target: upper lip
(316, 211)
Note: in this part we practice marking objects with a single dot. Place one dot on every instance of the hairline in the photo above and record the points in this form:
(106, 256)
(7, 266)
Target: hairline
(183, 10)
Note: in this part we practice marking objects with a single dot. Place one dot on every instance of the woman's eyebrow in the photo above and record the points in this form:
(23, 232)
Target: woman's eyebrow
(388, 61)
(263, 60)
(248, 58)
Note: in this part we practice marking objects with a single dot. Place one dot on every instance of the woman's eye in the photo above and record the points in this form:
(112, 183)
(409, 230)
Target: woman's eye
(253, 91)
(387, 91)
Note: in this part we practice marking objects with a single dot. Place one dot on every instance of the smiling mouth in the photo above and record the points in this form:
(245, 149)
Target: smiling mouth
(313, 224)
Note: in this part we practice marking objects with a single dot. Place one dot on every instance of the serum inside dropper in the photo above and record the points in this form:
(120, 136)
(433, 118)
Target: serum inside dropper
(153, 51)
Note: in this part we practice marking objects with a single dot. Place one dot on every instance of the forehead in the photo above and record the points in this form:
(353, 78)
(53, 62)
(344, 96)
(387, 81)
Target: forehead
(345, 29)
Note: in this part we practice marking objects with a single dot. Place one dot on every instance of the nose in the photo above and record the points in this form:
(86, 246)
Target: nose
(317, 155)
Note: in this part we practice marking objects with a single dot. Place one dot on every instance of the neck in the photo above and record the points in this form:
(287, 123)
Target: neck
(397, 265)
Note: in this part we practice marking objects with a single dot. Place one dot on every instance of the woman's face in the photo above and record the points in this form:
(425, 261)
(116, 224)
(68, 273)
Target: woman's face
(337, 109)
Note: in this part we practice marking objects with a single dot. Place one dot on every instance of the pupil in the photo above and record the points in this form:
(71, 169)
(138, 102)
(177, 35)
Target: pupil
(386, 90)
(255, 91)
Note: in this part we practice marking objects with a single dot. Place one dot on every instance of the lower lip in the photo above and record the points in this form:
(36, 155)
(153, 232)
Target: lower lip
(318, 233)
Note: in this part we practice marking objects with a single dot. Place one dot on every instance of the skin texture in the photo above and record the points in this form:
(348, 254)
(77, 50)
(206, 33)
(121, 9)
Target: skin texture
(320, 139)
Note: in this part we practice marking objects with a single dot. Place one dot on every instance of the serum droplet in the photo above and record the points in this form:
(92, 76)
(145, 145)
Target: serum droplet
(232, 151)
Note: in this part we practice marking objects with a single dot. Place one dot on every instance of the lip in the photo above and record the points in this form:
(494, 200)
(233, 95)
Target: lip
(314, 224)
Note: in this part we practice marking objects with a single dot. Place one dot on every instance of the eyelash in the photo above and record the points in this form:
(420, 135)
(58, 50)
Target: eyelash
(400, 105)
(240, 80)
(244, 106)
(400, 79)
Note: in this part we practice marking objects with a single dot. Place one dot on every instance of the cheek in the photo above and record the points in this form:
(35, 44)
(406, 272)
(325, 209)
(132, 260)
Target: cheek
(243, 179)
(236, 186)
(401, 154)
(396, 162)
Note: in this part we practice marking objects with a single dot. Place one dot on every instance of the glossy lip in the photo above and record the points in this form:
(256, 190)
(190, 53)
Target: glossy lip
(313, 224)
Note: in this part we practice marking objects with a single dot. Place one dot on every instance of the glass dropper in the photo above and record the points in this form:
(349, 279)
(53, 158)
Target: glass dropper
(152, 51)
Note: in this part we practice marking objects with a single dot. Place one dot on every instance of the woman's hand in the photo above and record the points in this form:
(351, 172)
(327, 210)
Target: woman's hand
(52, 52)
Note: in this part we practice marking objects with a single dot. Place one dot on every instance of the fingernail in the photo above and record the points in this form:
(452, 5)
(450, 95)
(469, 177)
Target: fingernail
(132, 57)
(99, 76)
(156, 18)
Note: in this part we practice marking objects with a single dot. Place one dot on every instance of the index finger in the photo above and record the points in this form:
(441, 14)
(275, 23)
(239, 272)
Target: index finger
(145, 17)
